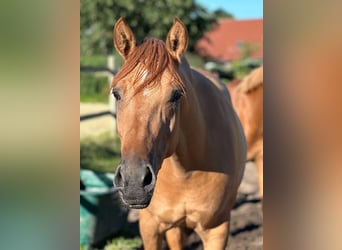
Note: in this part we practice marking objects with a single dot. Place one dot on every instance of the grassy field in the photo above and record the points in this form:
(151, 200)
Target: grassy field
(100, 153)
(93, 88)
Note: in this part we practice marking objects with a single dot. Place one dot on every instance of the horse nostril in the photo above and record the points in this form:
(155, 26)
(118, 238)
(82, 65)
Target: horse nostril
(118, 178)
(148, 179)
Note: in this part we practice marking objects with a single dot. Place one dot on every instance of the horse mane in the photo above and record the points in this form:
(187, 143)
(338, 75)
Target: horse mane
(152, 57)
(252, 80)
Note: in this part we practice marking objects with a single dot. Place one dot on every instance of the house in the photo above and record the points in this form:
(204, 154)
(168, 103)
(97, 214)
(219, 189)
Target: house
(226, 41)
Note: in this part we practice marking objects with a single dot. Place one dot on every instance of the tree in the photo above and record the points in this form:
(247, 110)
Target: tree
(221, 13)
(145, 17)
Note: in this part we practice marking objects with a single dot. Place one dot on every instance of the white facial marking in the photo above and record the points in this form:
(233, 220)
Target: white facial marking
(147, 92)
(144, 75)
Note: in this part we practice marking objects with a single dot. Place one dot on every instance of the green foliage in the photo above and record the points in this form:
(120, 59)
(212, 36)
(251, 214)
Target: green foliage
(194, 60)
(146, 18)
(220, 13)
(93, 88)
(244, 64)
(100, 153)
(247, 50)
(240, 69)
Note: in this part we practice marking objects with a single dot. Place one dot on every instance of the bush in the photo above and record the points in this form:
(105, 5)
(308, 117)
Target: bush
(195, 60)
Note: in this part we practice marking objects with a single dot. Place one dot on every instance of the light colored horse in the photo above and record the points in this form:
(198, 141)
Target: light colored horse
(247, 98)
(183, 149)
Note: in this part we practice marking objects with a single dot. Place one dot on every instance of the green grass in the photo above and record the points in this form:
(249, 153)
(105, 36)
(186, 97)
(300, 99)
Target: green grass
(94, 88)
(120, 243)
(100, 153)
(99, 60)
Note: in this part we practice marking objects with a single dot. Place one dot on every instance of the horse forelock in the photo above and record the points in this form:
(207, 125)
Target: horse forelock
(146, 65)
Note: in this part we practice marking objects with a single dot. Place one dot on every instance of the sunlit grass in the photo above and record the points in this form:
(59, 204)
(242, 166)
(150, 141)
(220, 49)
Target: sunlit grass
(119, 243)
(100, 153)
(124, 244)
(93, 88)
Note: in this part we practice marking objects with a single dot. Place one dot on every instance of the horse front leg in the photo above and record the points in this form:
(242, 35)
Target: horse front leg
(175, 238)
(215, 238)
(149, 231)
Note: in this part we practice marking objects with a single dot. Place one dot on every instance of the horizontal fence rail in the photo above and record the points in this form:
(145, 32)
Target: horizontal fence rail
(109, 72)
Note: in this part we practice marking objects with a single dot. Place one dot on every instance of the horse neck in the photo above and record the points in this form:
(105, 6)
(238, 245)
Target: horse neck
(192, 144)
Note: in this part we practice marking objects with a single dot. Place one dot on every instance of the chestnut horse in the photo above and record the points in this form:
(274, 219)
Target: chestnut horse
(183, 149)
(247, 98)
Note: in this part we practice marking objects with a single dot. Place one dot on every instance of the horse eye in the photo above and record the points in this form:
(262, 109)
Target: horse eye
(116, 94)
(176, 95)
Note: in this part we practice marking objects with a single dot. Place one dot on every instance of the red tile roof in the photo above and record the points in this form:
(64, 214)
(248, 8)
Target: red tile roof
(223, 42)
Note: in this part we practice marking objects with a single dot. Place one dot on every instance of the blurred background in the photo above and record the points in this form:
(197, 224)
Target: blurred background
(225, 37)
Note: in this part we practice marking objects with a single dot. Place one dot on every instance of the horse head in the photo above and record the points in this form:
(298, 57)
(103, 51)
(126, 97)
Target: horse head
(149, 94)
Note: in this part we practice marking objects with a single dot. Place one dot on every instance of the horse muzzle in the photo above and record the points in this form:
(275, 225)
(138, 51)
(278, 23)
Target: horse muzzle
(135, 184)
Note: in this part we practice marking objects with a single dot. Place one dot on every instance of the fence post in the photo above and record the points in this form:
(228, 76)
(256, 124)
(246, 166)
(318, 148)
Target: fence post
(111, 99)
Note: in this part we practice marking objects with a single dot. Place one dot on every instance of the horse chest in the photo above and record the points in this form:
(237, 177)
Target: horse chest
(174, 216)
(183, 206)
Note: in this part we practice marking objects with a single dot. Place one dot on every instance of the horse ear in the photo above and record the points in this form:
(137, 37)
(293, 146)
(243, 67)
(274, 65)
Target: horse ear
(177, 39)
(124, 40)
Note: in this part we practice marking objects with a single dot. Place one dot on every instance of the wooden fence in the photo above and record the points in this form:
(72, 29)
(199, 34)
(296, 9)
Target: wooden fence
(109, 72)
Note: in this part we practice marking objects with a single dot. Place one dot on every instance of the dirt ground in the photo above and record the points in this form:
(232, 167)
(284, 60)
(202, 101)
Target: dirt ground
(246, 231)
(246, 228)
